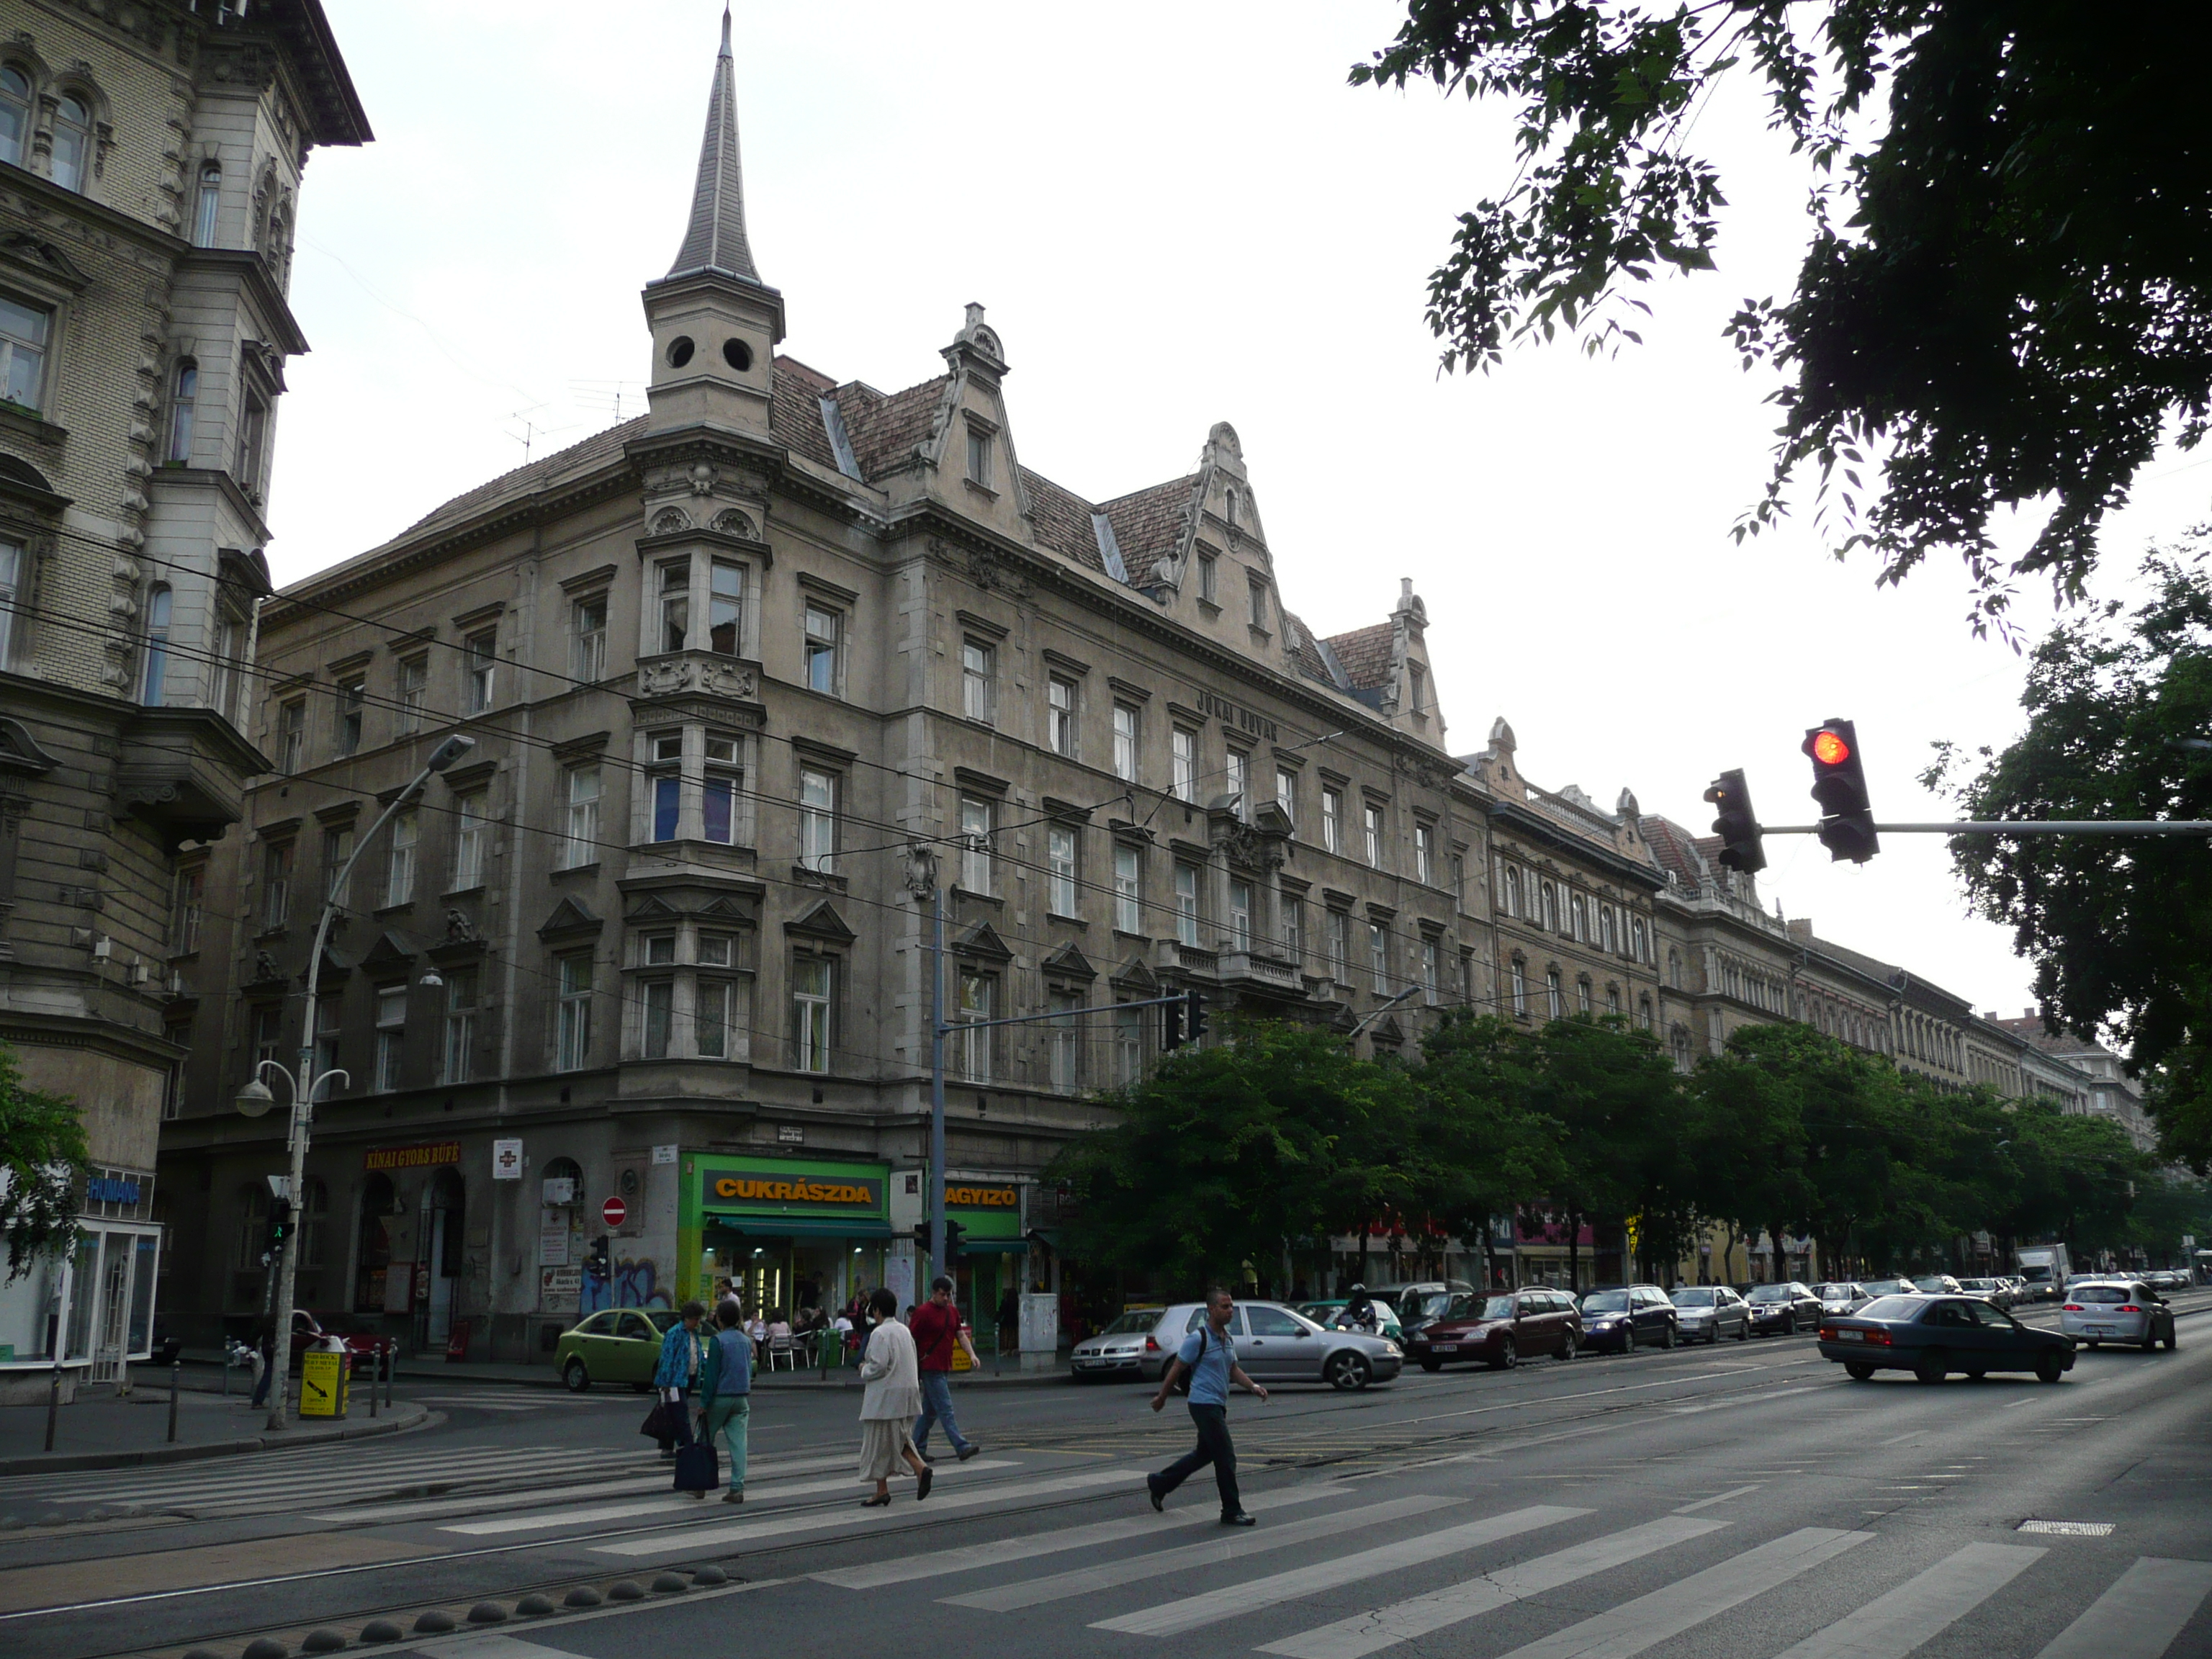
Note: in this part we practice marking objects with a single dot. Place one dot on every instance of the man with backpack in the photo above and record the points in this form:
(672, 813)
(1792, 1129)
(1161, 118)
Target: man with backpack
(1210, 1356)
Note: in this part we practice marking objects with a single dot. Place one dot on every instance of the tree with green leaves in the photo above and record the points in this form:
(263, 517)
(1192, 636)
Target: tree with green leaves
(2119, 928)
(2004, 304)
(1486, 1149)
(42, 1168)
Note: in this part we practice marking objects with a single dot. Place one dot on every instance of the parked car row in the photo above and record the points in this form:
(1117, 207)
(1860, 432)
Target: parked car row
(1274, 1344)
(1934, 1335)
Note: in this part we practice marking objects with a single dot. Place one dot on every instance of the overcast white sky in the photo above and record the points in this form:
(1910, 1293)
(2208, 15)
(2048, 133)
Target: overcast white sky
(1176, 213)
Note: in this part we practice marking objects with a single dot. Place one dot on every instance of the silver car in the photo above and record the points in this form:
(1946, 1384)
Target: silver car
(1995, 1291)
(1842, 1296)
(1710, 1312)
(2097, 1311)
(1276, 1344)
(1117, 1350)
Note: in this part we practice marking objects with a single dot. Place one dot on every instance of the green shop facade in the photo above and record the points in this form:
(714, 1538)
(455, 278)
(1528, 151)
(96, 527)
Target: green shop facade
(773, 1229)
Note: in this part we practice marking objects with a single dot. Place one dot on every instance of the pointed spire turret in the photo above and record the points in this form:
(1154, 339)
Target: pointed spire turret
(715, 239)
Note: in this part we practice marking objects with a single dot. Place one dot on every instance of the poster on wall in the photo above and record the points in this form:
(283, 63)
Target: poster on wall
(558, 1289)
(553, 1238)
(898, 1273)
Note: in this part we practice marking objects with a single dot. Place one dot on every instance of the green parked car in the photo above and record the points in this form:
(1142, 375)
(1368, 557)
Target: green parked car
(622, 1345)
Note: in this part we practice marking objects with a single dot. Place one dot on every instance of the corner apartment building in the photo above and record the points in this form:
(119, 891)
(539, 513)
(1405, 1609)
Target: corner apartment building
(150, 162)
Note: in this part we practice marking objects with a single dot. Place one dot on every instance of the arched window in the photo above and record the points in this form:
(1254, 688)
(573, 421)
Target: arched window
(15, 113)
(1520, 986)
(1612, 998)
(158, 605)
(1551, 908)
(1643, 1012)
(1553, 994)
(182, 396)
(1679, 1041)
(1674, 968)
(1579, 917)
(72, 144)
(1583, 994)
(1608, 935)
(207, 205)
(1636, 930)
(1512, 892)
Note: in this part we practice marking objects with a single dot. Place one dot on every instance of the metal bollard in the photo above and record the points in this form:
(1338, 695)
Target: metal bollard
(53, 1401)
(376, 1364)
(176, 1382)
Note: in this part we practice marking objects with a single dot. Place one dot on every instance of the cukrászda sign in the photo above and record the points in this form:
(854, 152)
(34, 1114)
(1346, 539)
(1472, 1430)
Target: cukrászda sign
(802, 1190)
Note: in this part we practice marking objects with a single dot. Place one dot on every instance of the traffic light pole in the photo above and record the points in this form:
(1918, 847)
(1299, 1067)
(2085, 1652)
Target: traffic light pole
(2023, 827)
(936, 1032)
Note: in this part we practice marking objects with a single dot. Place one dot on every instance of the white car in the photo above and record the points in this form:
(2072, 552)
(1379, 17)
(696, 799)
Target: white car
(1117, 1350)
(2097, 1311)
(1842, 1296)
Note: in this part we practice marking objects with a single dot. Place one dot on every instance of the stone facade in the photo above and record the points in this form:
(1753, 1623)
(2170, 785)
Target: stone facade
(151, 158)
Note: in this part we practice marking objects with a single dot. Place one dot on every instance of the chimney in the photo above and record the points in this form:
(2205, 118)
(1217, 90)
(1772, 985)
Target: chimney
(1800, 929)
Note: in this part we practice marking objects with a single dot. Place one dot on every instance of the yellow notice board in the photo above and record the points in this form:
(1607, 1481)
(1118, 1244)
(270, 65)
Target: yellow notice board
(322, 1384)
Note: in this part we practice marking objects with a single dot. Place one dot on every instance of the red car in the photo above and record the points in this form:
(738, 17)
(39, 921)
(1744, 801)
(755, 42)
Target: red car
(363, 1339)
(1498, 1330)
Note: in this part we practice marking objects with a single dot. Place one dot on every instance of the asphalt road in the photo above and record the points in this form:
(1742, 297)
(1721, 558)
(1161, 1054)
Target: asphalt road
(1742, 1502)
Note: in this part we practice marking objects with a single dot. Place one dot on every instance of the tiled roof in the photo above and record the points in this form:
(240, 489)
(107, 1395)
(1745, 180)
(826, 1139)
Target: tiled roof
(885, 430)
(1062, 520)
(794, 412)
(1672, 845)
(2064, 1043)
(596, 451)
(1365, 654)
(1149, 524)
(1304, 654)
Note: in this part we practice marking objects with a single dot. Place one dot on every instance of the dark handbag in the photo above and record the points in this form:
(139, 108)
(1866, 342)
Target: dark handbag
(697, 1468)
(660, 1422)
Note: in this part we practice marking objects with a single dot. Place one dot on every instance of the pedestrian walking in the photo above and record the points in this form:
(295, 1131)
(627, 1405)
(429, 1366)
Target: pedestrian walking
(1209, 1355)
(888, 1404)
(265, 1350)
(677, 1375)
(937, 1329)
(725, 1384)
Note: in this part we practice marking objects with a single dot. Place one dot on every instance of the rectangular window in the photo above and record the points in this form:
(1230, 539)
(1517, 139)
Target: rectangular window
(184, 910)
(660, 1016)
(1286, 794)
(975, 844)
(675, 604)
(718, 951)
(223, 668)
(268, 1036)
(1236, 773)
(460, 1025)
(580, 841)
(400, 874)
(811, 979)
(979, 684)
(1209, 579)
(1294, 929)
(979, 456)
(1060, 715)
(353, 694)
(657, 949)
(1065, 1036)
(1371, 823)
(1459, 880)
(482, 654)
(726, 606)
(1186, 903)
(414, 692)
(1240, 914)
(587, 638)
(823, 628)
(23, 331)
(977, 1000)
(719, 794)
(667, 805)
(1425, 837)
(183, 402)
(1430, 970)
(471, 832)
(11, 588)
(1378, 957)
(337, 848)
(253, 435)
(1332, 820)
(1128, 889)
(572, 1013)
(1059, 858)
(1339, 946)
(715, 1017)
(817, 821)
(1125, 742)
(1185, 756)
(1128, 1047)
(390, 1036)
(291, 737)
(276, 883)
(1259, 592)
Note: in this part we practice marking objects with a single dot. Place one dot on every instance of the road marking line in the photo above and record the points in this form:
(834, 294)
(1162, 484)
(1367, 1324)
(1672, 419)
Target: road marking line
(1893, 1624)
(538, 1496)
(1172, 1618)
(1619, 1632)
(1720, 1497)
(1740, 1399)
(667, 1502)
(491, 1644)
(1910, 1434)
(1383, 1627)
(2140, 1615)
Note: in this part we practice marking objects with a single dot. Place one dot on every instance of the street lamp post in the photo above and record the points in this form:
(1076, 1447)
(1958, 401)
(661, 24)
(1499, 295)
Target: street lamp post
(255, 1097)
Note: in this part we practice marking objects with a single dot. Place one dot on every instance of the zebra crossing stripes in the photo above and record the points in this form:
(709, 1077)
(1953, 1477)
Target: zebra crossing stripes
(1423, 1615)
(2140, 1615)
(546, 1521)
(1131, 1569)
(1173, 1617)
(1893, 1624)
(1619, 1632)
(539, 1496)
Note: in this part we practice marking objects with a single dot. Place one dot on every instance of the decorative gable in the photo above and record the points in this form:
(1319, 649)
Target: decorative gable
(983, 940)
(1134, 976)
(822, 922)
(1068, 963)
(570, 921)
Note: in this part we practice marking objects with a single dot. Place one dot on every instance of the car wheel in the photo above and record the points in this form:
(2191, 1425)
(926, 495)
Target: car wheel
(1977, 1376)
(1567, 1348)
(1346, 1371)
(2049, 1368)
(2094, 1346)
(1627, 1339)
(2150, 1340)
(1432, 1366)
(1789, 1324)
(1743, 1332)
(1932, 1367)
(576, 1376)
(1713, 1336)
(1858, 1370)
(1508, 1356)
(1667, 1335)
(2173, 1337)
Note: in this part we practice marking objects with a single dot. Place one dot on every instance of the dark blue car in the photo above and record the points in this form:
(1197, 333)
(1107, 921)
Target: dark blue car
(1932, 1336)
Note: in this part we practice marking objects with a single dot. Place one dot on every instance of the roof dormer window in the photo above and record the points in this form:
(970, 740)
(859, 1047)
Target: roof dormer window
(979, 455)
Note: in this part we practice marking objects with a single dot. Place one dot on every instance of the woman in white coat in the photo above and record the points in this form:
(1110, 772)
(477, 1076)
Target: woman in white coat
(890, 1404)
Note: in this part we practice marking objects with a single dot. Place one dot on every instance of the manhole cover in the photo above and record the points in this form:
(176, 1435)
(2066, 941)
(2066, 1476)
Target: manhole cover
(2069, 1529)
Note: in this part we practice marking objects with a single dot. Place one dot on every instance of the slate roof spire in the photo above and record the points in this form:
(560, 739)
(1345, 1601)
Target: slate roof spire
(715, 239)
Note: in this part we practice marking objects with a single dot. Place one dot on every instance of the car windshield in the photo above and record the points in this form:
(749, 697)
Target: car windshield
(1892, 1307)
(1889, 1287)
(1606, 1301)
(1769, 1293)
(1692, 1298)
(2101, 1293)
(1429, 1305)
(1496, 1307)
(1832, 1292)
(1134, 1322)
(1929, 1281)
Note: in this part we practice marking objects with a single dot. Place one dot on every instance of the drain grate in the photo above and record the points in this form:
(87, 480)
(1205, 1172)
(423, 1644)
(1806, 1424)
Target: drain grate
(2069, 1529)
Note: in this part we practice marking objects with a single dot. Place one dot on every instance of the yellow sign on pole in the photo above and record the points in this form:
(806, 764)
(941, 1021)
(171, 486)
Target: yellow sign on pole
(323, 1384)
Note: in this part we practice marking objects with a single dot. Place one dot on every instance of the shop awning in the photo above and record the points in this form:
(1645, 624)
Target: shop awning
(994, 1247)
(799, 1226)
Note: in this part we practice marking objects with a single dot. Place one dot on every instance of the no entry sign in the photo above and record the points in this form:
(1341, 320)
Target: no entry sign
(614, 1213)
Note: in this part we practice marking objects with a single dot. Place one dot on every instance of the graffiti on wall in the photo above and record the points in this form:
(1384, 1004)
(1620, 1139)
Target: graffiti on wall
(634, 1282)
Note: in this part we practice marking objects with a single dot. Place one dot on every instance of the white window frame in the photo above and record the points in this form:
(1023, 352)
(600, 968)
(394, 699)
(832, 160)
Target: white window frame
(1286, 794)
(1189, 879)
(1062, 860)
(587, 642)
(1128, 732)
(25, 349)
(1128, 889)
(657, 1018)
(583, 789)
(1237, 775)
(976, 999)
(813, 1012)
(574, 974)
(822, 646)
(1332, 820)
(977, 816)
(390, 1036)
(399, 870)
(1424, 839)
(1061, 696)
(481, 658)
(1378, 957)
(1294, 928)
(413, 687)
(818, 819)
(471, 837)
(1183, 775)
(275, 884)
(1240, 900)
(1371, 829)
(1065, 1036)
(979, 681)
(457, 1064)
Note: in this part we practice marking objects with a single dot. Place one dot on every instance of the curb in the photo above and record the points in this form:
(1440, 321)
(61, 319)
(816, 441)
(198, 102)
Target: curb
(63, 1462)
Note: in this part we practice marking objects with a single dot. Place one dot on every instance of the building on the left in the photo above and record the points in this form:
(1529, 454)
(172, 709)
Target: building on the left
(150, 163)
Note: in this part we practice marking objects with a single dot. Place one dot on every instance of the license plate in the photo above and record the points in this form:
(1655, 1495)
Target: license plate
(2099, 1330)
(1851, 1336)
(1447, 1347)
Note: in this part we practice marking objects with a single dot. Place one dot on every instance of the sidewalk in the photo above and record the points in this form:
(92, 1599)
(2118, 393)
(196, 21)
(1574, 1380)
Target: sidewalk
(103, 1432)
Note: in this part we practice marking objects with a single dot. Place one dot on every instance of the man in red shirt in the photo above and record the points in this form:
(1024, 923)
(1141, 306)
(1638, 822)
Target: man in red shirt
(936, 1327)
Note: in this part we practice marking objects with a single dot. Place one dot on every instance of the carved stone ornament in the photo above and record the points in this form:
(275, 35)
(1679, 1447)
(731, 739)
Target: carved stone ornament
(994, 573)
(671, 522)
(731, 522)
(714, 678)
(1247, 847)
(265, 969)
(459, 930)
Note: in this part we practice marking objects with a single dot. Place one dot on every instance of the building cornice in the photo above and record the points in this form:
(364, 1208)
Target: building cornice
(1511, 815)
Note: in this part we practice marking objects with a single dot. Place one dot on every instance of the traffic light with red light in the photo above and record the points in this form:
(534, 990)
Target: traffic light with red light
(1839, 786)
(1736, 825)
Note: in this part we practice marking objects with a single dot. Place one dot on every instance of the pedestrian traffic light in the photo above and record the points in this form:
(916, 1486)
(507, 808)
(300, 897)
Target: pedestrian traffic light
(1736, 825)
(921, 1236)
(599, 1263)
(280, 1224)
(953, 1234)
(1839, 785)
(1171, 1027)
(1194, 1020)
